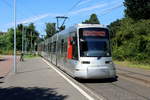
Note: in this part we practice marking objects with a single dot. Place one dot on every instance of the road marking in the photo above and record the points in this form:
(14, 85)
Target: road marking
(98, 96)
(73, 84)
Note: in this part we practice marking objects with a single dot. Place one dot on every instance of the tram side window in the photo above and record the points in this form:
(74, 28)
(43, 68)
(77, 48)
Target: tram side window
(54, 49)
(62, 44)
(49, 47)
(46, 49)
(65, 49)
(43, 47)
(75, 47)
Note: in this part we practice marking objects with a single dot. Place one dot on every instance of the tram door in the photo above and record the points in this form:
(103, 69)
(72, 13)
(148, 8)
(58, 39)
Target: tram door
(72, 54)
(54, 53)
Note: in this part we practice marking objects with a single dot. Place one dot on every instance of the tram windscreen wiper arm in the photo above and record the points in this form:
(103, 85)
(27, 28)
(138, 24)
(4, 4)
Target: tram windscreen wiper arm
(99, 57)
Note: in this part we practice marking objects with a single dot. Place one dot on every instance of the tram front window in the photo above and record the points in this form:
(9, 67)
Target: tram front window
(94, 42)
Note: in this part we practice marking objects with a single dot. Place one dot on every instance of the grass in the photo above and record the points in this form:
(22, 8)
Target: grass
(133, 65)
(6, 52)
(30, 56)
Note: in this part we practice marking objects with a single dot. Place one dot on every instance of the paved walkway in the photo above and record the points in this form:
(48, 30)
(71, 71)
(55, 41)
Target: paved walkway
(35, 80)
(5, 65)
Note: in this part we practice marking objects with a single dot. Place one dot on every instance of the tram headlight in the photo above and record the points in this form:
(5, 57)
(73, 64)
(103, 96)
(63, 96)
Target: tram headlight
(108, 62)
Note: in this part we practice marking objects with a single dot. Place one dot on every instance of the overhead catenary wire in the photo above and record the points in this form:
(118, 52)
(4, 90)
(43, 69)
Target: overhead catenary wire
(65, 15)
(75, 5)
(106, 11)
(8, 4)
(23, 6)
(11, 6)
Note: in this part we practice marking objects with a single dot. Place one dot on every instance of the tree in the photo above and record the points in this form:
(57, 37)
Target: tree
(6, 41)
(33, 36)
(114, 27)
(131, 40)
(137, 9)
(50, 29)
(92, 20)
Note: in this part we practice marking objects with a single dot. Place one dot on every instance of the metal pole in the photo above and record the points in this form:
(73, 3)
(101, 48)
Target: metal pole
(57, 23)
(15, 36)
(22, 37)
(25, 41)
(31, 41)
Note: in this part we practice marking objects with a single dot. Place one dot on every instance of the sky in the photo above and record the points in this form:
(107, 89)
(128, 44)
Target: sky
(40, 12)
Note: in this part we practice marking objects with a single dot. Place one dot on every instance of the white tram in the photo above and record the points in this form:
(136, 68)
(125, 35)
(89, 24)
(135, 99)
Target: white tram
(83, 51)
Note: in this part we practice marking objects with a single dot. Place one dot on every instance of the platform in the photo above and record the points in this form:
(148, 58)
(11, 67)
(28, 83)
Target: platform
(35, 80)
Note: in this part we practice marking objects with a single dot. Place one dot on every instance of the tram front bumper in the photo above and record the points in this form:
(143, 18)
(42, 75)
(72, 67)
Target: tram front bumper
(95, 73)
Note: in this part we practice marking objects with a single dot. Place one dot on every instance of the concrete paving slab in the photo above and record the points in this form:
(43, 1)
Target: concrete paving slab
(36, 81)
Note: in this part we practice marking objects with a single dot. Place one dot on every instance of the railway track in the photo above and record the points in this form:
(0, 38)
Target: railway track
(133, 72)
(130, 86)
(141, 78)
(119, 90)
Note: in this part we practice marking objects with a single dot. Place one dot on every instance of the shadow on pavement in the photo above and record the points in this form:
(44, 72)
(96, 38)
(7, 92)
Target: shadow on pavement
(31, 93)
(108, 80)
(1, 80)
(3, 59)
(1, 77)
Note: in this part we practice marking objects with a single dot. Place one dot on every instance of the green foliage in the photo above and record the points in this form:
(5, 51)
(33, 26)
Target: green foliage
(32, 36)
(131, 40)
(7, 40)
(92, 20)
(50, 29)
(137, 9)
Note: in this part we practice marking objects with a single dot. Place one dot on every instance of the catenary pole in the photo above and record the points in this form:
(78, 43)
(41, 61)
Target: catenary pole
(22, 37)
(14, 36)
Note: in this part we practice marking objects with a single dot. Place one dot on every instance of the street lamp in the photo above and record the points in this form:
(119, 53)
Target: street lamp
(15, 36)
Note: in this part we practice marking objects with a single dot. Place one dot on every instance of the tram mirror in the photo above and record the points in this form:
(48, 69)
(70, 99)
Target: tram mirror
(73, 41)
(74, 38)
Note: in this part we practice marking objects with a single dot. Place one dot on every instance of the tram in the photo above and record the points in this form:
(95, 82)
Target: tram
(83, 51)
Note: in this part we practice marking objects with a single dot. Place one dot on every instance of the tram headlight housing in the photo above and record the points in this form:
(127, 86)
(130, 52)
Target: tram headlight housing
(108, 62)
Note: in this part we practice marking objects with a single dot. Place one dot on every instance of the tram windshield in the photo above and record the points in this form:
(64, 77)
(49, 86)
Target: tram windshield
(94, 42)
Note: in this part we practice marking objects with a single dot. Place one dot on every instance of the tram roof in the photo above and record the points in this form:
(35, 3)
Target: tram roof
(90, 25)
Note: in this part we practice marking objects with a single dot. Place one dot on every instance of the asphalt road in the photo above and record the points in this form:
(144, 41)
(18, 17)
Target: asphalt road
(121, 89)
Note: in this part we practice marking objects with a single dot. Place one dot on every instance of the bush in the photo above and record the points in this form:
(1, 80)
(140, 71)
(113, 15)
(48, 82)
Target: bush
(131, 40)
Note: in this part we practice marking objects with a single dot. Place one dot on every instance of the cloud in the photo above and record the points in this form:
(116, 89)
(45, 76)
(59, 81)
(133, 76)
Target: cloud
(88, 8)
(84, 2)
(105, 11)
(34, 19)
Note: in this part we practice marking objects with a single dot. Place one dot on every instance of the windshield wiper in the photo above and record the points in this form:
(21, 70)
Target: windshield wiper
(99, 57)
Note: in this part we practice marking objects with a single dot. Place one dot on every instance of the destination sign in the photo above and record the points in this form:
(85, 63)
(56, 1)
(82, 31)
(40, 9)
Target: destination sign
(94, 33)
